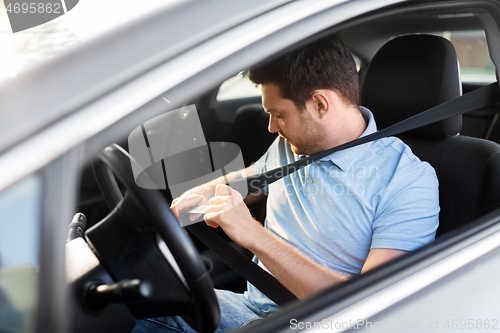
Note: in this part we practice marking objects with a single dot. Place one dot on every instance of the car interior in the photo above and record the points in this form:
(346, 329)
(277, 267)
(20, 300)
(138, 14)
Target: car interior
(407, 63)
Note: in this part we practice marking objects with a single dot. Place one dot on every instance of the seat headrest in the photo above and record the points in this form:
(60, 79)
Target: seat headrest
(411, 74)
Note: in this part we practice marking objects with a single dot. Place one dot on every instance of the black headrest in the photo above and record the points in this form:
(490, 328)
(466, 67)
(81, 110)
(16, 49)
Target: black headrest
(408, 75)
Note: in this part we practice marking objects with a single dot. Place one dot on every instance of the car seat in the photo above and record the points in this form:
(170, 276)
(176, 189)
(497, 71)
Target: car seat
(410, 74)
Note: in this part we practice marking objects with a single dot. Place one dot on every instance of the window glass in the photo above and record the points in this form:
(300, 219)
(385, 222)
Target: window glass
(473, 56)
(240, 86)
(358, 62)
(19, 221)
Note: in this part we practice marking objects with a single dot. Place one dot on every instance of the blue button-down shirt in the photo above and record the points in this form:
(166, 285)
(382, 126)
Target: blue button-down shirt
(375, 195)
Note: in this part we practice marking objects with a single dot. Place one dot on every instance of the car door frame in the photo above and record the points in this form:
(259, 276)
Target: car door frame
(61, 165)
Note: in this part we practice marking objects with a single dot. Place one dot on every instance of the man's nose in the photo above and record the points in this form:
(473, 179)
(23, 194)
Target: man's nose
(273, 125)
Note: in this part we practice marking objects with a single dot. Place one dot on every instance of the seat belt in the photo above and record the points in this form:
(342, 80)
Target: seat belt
(476, 99)
(261, 279)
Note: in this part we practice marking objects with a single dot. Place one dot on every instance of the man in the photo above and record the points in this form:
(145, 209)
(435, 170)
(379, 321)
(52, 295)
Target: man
(336, 218)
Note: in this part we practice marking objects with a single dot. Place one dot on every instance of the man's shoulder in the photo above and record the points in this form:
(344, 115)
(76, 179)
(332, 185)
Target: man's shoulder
(393, 146)
(398, 159)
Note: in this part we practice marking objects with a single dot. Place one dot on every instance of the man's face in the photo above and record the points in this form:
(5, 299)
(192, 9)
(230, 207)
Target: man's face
(298, 127)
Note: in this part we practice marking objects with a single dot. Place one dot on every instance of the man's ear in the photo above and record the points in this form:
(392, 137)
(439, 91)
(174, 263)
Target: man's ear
(321, 103)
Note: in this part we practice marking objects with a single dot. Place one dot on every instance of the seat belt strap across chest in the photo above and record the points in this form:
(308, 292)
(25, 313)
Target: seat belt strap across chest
(261, 279)
(476, 99)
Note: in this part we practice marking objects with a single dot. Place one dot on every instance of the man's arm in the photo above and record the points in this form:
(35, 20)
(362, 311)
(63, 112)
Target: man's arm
(300, 275)
(377, 257)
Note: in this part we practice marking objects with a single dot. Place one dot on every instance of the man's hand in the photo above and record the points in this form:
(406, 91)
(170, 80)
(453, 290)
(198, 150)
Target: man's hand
(200, 195)
(228, 210)
(194, 197)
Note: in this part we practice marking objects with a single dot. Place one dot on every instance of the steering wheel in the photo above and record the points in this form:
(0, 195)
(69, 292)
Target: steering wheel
(204, 312)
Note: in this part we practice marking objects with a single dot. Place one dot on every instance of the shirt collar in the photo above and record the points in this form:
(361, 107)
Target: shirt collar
(344, 159)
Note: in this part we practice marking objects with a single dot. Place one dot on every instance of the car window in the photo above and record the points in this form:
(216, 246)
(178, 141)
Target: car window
(473, 55)
(359, 63)
(240, 86)
(19, 222)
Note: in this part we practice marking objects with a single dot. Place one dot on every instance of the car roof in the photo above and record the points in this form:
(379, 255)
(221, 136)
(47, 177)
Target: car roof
(69, 81)
(75, 78)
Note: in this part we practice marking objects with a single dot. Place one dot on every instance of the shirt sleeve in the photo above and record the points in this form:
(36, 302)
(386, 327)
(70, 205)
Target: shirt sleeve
(408, 215)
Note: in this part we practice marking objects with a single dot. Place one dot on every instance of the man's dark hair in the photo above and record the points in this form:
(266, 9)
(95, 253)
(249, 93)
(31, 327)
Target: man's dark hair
(324, 64)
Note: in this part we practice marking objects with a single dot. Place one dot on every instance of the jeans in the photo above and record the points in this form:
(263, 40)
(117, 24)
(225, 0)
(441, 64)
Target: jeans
(236, 312)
